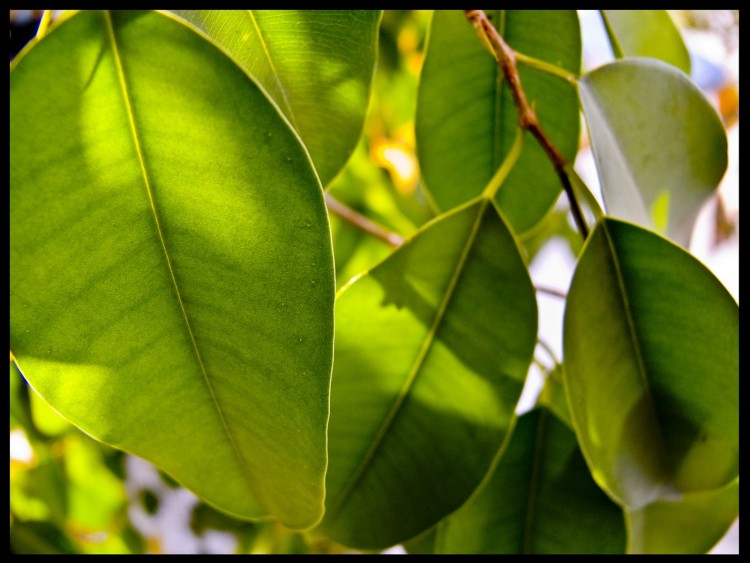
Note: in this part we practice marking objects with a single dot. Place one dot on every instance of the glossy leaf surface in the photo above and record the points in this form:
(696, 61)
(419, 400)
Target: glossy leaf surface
(171, 269)
(540, 499)
(651, 349)
(317, 65)
(646, 33)
(466, 120)
(432, 349)
(660, 148)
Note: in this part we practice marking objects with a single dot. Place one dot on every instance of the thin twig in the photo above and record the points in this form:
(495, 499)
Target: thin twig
(527, 118)
(550, 291)
(548, 349)
(361, 222)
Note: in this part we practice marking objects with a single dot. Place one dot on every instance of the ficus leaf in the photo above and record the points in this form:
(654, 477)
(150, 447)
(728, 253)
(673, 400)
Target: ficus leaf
(692, 524)
(432, 348)
(657, 143)
(651, 347)
(317, 65)
(646, 33)
(171, 267)
(540, 499)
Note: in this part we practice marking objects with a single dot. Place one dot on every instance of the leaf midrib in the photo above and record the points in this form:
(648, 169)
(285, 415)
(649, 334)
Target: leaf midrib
(498, 117)
(633, 335)
(266, 51)
(139, 151)
(416, 367)
(533, 490)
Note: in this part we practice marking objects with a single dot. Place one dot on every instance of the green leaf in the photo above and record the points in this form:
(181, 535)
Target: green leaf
(653, 133)
(171, 267)
(466, 121)
(317, 65)
(540, 499)
(646, 33)
(651, 345)
(693, 524)
(432, 349)
(46, 420)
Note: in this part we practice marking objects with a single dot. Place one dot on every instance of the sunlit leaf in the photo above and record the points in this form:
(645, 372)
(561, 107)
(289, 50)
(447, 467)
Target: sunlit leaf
(653, 132)
(466, 120)
(171, 271)
(432, 348)
(646, 33)
(46, 420)
(317, 65)
(651, 346)
(541, 499)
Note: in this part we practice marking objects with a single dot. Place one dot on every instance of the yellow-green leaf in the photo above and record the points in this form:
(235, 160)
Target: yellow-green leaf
(171, 267)
(317, 65)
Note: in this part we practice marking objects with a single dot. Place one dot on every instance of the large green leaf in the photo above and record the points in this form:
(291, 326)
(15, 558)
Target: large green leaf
(660, 147)
(651, 344)
(466, 120)
(646, 33)
(317, 65)
(540, 499)
(432, 349)
(692, 524)
(171, 270)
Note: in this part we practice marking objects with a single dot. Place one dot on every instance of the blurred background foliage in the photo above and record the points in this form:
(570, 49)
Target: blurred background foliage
(72, 494)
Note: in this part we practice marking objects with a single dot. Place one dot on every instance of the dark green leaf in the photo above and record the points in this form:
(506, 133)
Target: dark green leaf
(651, 346)
(432, 348)
(541, 499)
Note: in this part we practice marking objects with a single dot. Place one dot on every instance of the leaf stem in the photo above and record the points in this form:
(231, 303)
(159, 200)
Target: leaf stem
(507, 165)
(549, 68)
(361, 222)
(613, 41)
(550, 291)
(548, 349)
(44, 23)
(527, 118)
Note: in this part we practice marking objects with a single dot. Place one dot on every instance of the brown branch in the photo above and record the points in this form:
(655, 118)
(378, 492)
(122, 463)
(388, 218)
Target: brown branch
(361, 222)
(527, 118)
(551, 291)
